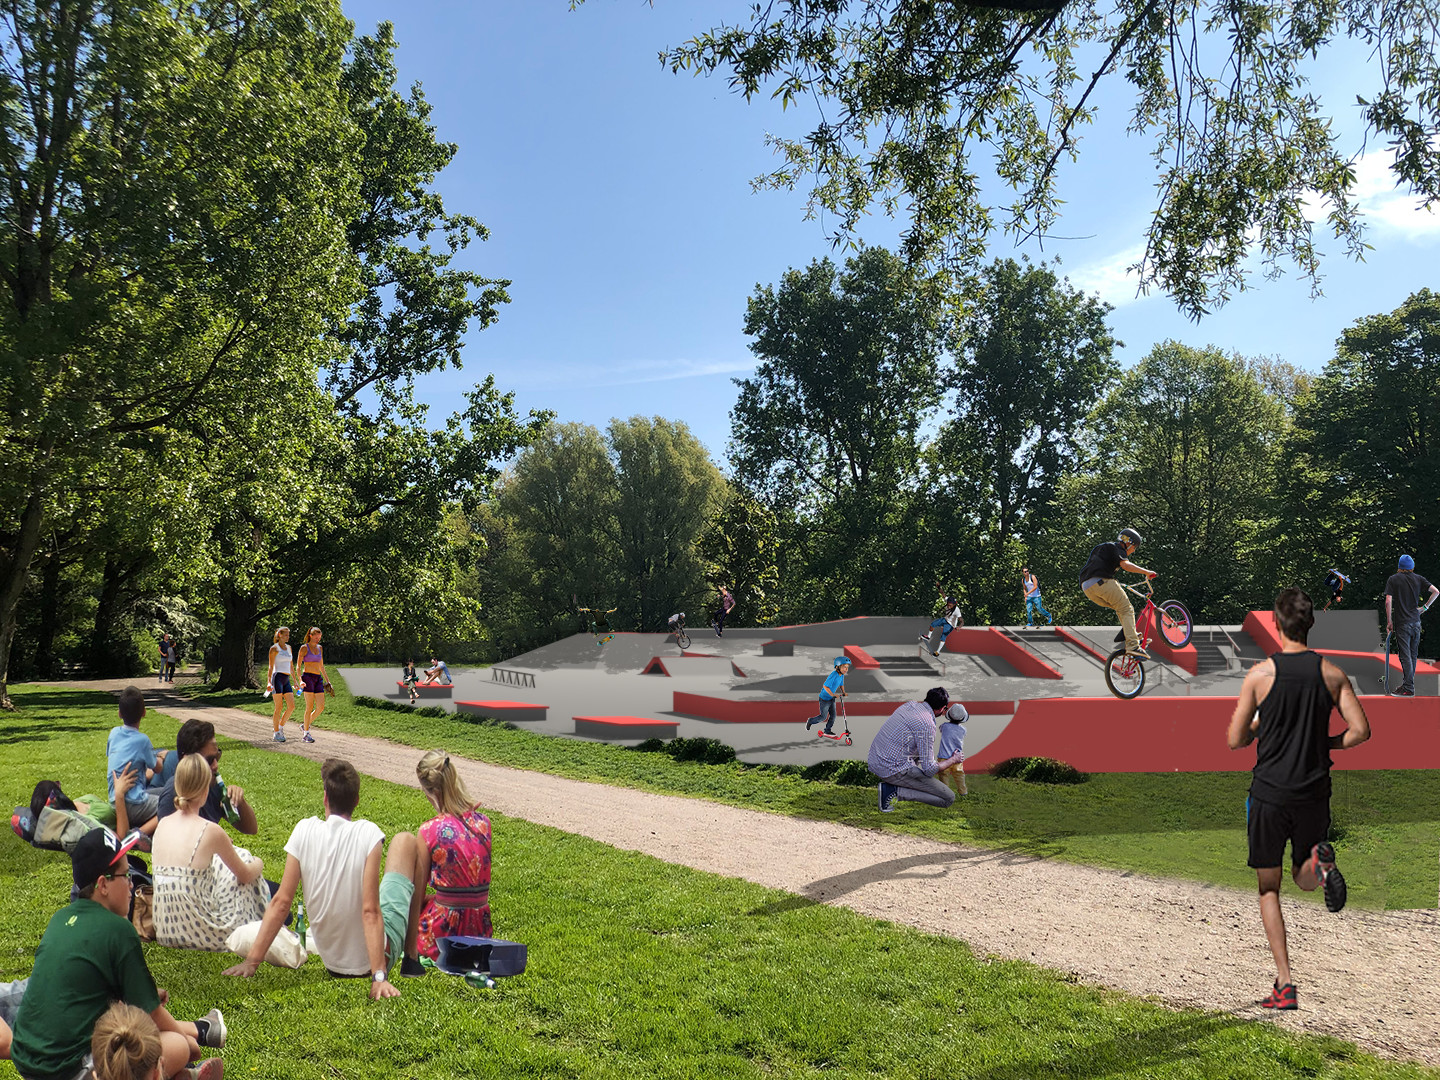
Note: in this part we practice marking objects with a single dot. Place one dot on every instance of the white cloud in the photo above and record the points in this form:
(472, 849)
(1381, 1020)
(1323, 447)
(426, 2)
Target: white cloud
(1111, 277)
(635, 373)
(1388, 209)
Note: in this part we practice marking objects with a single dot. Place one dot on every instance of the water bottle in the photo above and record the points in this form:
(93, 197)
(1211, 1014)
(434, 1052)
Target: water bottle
(300, 923)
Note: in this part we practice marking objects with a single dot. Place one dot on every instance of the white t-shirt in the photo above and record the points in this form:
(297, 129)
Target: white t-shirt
(332, 854)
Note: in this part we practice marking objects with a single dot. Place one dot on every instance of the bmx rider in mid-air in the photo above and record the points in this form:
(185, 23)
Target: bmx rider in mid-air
(1097, 582)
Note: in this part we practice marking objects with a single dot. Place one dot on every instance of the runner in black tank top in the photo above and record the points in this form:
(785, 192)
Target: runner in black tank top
(1292, 761)
(1286, 703)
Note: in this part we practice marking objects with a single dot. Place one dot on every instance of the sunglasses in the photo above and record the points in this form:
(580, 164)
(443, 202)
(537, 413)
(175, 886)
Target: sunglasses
(214, 758)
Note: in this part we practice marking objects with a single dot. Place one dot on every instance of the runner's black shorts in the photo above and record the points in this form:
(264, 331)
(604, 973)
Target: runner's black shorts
(1270, 825)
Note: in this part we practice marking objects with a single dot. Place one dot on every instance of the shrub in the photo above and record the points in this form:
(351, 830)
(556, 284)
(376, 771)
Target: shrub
(705, 751)
(839, 771)
(437, 712)
(651, 746)
(1038, 770)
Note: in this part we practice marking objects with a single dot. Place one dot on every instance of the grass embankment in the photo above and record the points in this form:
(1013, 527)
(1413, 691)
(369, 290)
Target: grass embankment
(1187, 825)
(637, 968)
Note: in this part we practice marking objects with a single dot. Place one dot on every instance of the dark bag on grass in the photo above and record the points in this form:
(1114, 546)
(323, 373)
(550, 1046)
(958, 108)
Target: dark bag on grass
(462, 955)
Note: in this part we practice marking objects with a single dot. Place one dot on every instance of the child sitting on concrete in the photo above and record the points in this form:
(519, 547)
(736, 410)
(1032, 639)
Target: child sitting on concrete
(952, 741)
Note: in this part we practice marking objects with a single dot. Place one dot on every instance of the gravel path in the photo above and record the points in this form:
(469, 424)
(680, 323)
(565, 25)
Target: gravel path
(1364, 976)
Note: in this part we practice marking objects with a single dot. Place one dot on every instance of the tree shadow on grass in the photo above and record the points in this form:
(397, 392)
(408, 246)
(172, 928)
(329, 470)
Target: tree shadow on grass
(62, 699)
(42, 734)
(1138, 1051)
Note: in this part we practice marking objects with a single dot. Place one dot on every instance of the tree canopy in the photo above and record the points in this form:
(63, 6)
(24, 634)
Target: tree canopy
(916, 101)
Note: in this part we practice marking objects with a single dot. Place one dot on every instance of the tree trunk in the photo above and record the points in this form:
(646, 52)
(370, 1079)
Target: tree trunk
(102, 653)
(12, 584)
(49, 613)
(237, 640)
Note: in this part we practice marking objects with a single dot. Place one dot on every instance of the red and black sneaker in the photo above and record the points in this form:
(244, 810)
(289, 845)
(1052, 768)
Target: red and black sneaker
(1282, 997)
(1328, 874)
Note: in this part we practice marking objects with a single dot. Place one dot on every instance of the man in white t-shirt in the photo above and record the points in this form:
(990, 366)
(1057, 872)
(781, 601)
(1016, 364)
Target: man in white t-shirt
(360, 922)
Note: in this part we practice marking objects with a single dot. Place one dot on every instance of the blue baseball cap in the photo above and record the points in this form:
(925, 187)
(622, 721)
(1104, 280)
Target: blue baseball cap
(1407, 563)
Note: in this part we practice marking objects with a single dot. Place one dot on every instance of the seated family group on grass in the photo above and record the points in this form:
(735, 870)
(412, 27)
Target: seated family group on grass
(90, 1007)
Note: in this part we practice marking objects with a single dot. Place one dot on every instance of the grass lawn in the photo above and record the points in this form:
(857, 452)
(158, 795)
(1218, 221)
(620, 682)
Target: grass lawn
(637, 968)
(1189, 825)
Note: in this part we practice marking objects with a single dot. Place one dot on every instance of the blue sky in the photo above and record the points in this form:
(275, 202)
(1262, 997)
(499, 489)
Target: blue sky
(619, 203)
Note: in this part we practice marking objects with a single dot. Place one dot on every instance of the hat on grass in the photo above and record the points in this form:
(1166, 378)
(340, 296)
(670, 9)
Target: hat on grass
(97, 853)
(463, 955)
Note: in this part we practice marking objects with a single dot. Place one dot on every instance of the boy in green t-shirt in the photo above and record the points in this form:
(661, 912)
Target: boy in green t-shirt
(88, 957)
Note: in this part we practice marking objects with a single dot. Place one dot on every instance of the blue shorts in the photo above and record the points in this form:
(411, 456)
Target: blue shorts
(280, 680)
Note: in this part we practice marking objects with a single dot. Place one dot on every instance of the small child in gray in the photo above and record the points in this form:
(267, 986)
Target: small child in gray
(952, 741)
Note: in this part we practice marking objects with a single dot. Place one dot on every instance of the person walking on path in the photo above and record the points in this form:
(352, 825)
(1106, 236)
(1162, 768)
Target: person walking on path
(1033, 605)
(902, 757)
(1097, 582)
(277, 681)
(1403, 610)
(1285, 704)
(312, 679)
(833, 688)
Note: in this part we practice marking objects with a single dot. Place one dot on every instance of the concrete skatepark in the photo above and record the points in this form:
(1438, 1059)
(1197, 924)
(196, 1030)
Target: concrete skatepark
(1030, 691)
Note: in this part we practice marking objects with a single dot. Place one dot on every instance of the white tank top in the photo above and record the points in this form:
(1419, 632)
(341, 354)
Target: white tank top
(282, 659)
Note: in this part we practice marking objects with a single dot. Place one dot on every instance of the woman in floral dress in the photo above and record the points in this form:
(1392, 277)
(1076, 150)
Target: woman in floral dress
(457, 840)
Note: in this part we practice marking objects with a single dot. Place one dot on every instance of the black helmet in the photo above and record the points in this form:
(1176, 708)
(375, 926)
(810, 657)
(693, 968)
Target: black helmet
(1132, 536)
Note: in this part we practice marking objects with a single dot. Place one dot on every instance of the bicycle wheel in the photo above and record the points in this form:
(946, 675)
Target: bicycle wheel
(1124, 675)
(683, 640)
(1176, 626)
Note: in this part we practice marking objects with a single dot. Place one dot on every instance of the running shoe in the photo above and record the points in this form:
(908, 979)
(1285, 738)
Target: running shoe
(1402, 692)
(887, 797)
(279, 737)
(1328, 874)
(811, 722)
(211, 1030)
(1281, 998)
(308, 737)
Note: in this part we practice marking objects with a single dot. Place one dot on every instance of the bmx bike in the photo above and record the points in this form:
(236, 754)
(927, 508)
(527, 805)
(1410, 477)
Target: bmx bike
(1125, 674)
(681, 637)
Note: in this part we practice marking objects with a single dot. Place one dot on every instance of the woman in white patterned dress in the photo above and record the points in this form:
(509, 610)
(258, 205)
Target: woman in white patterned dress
(205, 887)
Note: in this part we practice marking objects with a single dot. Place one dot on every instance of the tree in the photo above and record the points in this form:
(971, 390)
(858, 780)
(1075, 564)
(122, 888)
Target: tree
(1185, 449)
(1034, 356)
(1362, 478)
(911, 94)
(173, 175)
(740, 546)
(667, 489)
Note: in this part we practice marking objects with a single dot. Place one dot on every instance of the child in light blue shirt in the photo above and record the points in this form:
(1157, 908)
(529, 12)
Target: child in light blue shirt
(834, 688)
(952, 742)
(128, 748)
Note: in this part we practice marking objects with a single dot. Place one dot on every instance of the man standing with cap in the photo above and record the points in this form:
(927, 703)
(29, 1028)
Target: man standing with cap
(1403, 610)
(89, 957)
(903, 754)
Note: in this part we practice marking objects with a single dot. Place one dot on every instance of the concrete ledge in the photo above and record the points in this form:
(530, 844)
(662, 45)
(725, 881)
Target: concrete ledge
(798, 710)
(859, 658)
(503, 710)
(778, 648)
(625, 727)
(429, 689)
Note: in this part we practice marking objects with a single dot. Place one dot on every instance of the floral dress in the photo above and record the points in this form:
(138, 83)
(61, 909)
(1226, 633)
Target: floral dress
(460, 875)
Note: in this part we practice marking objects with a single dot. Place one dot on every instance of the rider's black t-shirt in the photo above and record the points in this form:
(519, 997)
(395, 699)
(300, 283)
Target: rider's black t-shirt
(1406, 588)
(1292, 743)
(1104, 560)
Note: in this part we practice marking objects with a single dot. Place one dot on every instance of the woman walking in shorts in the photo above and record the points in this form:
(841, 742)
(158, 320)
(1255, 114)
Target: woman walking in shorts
(277, 680)
(312, 679)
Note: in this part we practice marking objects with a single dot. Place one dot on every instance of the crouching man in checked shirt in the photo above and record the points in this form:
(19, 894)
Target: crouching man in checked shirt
(903, 754)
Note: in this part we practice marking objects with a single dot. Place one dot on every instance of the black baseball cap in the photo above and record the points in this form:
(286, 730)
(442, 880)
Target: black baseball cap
(98, 851)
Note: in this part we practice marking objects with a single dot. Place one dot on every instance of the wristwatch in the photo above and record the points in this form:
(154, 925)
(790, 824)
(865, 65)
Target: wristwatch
(377, 976)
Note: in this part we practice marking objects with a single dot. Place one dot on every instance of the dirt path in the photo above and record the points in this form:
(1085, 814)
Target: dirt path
(1365, 976)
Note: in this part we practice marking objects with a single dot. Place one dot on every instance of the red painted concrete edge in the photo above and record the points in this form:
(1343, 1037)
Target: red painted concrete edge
(504, 704)
(627, 721)
(1079, 642)
(859, 658)
(1260, 625)
(992, 642)
(792, 710)
(1188, 735)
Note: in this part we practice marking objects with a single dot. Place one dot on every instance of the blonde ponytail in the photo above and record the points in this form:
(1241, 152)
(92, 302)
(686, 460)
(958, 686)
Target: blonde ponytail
(439, 780)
